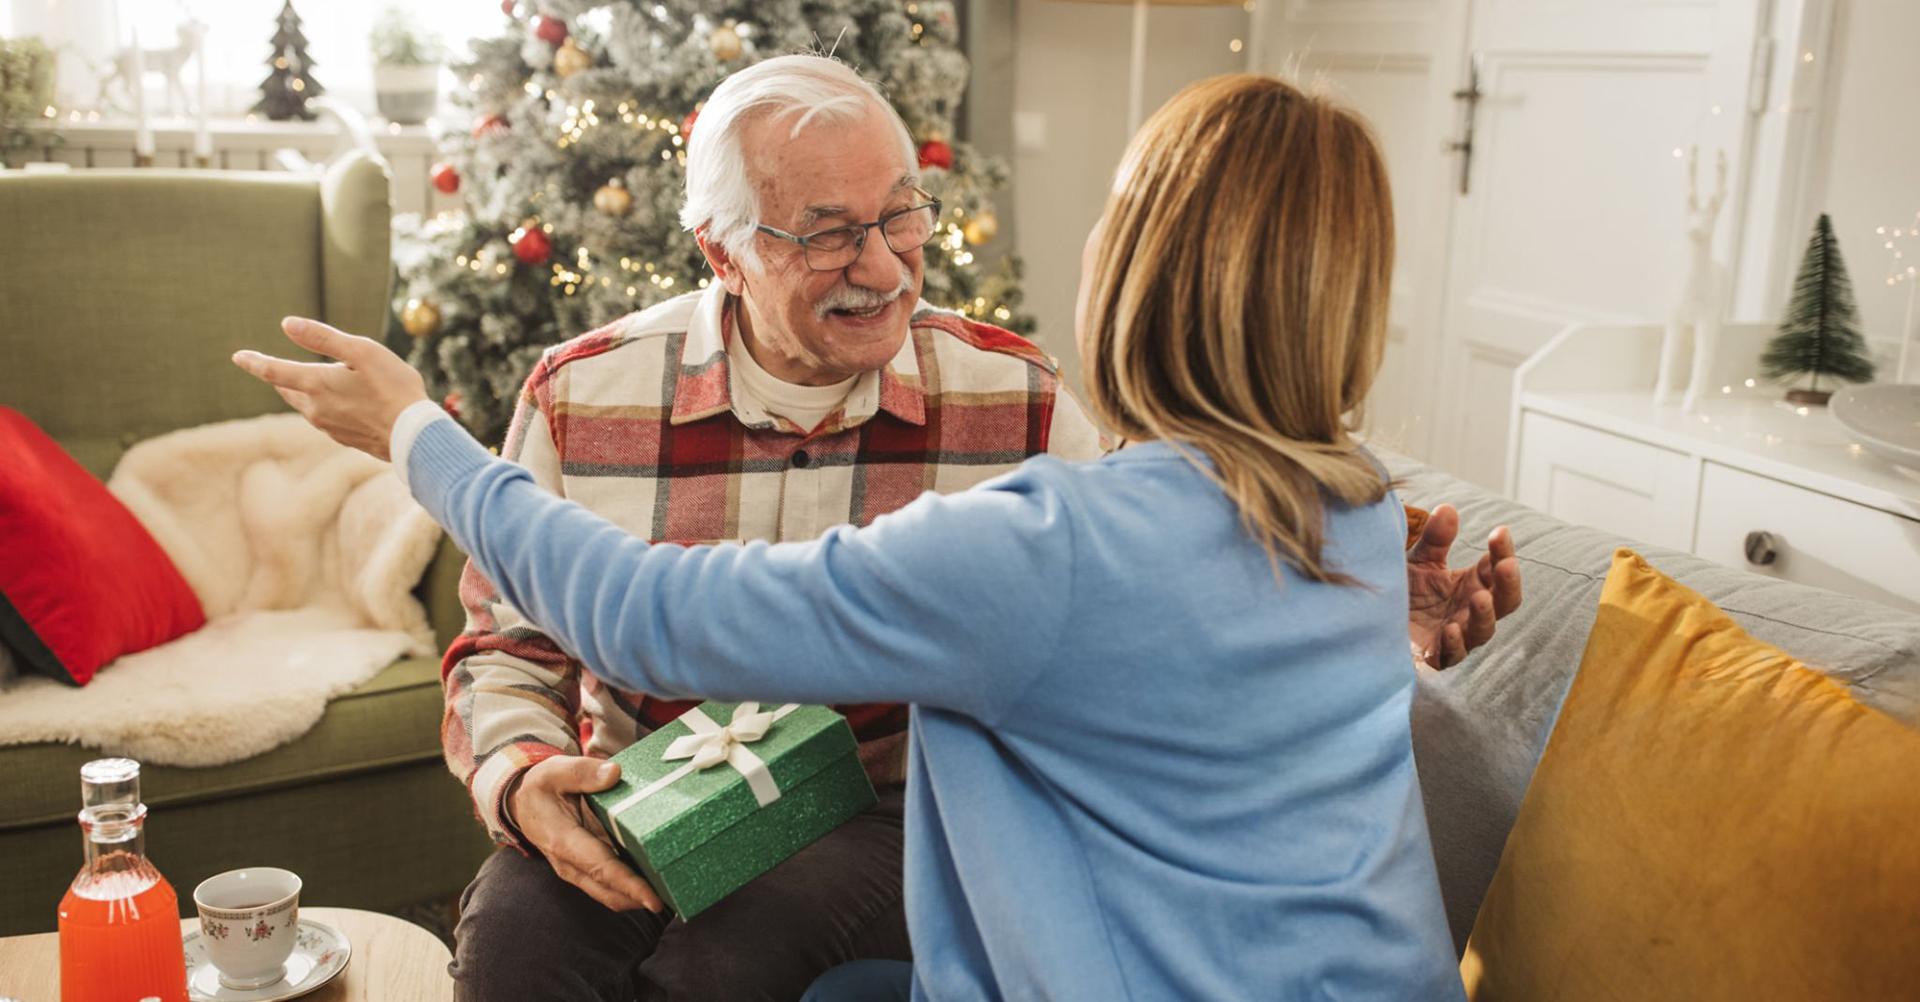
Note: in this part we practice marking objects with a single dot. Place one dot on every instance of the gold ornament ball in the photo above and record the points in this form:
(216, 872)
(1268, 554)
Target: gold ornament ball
(725, 42)
(613, 198)
(981, 228)
(420, 318)
(570, 59)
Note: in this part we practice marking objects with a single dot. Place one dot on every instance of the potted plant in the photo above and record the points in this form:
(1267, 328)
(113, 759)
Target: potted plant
(406, 70)
(26, 92)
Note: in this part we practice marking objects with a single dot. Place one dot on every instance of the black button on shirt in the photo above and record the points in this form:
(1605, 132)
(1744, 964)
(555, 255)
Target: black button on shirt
(801, 459)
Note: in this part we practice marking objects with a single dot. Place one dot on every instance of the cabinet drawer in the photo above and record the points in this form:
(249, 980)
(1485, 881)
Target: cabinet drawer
(1816, 539)
(1621, 485)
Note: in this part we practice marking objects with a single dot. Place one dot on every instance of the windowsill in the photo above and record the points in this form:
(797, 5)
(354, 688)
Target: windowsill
(169, 131)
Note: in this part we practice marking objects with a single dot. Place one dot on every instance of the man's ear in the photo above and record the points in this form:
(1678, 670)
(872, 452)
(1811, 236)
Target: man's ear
(725, 268)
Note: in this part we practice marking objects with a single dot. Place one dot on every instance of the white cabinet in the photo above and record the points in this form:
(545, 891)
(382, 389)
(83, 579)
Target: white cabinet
(1805, 536)
(1588, 477)
(1745, 480)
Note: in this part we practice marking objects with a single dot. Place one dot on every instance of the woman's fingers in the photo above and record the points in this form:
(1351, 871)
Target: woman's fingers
(304, 377)
(300, 402)
(321, 339)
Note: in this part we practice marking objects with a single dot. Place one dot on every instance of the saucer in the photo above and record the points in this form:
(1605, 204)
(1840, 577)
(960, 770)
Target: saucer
(320, 953)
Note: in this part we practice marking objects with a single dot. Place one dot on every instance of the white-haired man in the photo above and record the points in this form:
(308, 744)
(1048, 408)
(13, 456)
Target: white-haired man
(806, 388)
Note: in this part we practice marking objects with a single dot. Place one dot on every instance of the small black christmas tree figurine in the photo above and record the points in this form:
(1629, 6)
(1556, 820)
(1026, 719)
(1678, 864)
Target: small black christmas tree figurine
(1821, 335)
(284, 93)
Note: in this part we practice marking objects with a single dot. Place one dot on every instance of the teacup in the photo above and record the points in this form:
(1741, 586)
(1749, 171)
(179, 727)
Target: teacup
(248, 919)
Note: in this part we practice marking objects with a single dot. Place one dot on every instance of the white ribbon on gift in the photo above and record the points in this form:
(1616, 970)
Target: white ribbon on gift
(711, 744)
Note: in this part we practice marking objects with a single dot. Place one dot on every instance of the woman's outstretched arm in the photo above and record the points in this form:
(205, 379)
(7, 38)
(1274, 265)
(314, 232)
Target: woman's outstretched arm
(951, 601)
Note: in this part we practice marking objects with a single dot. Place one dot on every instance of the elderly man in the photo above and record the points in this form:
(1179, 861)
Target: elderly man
(806, 388)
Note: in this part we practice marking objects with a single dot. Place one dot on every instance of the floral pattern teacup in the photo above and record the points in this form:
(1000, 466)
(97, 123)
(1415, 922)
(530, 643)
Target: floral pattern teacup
(248, 918)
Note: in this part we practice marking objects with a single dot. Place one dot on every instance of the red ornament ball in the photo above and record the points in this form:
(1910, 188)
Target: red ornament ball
(530, 245)
(550, 30)
(452, 403)
(686, 125)
(509, 8)
(934, 153)
(489, 123)
(446, 179)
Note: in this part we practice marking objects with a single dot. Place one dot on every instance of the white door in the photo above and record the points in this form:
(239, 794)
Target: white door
(1576, 185)
(1572, 202)
(1394, 61)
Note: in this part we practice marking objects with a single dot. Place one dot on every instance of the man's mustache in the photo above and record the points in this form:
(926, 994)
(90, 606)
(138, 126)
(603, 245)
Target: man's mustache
(854, 297)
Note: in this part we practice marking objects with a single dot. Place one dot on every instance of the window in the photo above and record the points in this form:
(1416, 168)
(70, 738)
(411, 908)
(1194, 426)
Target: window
(237, 41)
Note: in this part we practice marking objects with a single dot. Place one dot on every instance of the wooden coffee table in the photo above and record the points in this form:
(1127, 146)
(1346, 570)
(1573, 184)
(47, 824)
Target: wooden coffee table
(393, 961)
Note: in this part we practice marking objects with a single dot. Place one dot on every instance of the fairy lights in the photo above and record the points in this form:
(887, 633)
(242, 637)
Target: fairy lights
(1894, 240)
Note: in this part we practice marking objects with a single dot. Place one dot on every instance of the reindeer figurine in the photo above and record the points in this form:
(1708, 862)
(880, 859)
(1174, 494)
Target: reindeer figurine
(1695, 321)
(166, 61)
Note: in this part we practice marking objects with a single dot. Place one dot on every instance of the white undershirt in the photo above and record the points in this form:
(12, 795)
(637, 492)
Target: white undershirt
(805, 406)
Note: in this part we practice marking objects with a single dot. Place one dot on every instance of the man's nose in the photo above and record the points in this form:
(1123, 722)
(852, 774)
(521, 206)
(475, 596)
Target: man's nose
(877, 267)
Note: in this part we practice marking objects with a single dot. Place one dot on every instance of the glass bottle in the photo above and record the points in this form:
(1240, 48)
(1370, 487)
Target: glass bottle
(120, 919)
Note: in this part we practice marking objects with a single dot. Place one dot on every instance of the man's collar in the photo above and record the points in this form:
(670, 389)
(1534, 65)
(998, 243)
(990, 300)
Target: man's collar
(705, 386)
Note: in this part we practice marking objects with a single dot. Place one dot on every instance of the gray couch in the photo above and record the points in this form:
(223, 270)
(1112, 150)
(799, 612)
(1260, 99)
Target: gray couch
(1479, 728)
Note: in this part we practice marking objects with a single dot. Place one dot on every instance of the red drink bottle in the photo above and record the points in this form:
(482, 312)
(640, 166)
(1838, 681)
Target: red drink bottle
(120, 920)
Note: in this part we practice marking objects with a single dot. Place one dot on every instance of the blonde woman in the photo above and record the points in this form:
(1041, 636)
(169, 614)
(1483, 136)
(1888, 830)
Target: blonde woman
(1160, 700)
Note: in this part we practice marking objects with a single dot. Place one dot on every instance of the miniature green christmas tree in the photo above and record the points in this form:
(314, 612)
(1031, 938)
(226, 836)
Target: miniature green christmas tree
(284, 93)
(1821, 335)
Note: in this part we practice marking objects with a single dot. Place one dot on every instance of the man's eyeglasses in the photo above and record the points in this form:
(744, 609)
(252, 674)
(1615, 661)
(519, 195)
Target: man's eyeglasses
(904, 229)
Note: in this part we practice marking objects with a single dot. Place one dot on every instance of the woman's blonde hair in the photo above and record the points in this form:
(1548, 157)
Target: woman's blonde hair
(1239, 300)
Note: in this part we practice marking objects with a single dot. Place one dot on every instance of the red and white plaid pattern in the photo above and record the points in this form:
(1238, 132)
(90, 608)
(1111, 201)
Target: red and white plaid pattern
(643, 422)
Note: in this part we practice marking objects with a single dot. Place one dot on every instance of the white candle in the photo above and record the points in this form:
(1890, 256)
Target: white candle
(202, 139)
(143, 133)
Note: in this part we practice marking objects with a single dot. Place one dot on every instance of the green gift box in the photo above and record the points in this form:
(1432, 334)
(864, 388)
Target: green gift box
(728, 790)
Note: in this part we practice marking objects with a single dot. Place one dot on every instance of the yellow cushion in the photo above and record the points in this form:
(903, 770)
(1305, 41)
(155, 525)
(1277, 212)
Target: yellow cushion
(1712, 819)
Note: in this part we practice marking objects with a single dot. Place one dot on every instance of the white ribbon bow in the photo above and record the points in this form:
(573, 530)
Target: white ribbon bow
(711, 744)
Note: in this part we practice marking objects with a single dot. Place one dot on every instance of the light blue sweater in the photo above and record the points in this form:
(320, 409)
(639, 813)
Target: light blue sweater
(1141, 768)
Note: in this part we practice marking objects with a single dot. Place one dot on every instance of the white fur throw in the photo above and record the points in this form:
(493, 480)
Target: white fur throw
(304, 554)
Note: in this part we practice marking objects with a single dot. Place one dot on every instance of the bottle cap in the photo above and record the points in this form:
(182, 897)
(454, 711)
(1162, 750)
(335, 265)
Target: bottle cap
(110, 782)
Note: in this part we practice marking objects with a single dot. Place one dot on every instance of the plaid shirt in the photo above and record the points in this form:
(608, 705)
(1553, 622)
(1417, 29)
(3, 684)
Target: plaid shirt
(643, 422)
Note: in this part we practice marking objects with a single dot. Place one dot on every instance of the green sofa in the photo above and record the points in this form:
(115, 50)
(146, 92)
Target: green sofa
(122, 292)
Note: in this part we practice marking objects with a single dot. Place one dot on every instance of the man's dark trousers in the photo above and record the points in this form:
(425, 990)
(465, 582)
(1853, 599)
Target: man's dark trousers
(525, 934)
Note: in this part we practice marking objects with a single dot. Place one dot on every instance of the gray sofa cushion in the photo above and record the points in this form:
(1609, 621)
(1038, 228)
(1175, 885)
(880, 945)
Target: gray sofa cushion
(1479, 728)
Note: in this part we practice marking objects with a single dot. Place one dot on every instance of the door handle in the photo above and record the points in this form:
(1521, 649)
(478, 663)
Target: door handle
(1470, 96)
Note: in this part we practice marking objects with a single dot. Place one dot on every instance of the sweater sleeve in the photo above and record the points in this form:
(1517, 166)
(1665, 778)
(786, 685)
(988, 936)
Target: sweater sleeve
(950, 602)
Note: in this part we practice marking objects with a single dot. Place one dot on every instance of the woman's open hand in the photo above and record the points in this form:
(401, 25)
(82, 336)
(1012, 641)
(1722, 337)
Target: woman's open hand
(354, 400)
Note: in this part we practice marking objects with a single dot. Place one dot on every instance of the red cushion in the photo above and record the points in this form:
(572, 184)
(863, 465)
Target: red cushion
(82, 581)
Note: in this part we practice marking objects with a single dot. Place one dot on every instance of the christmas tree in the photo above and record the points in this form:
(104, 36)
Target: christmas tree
(1821, 335)
(572, 175)
(284, 93)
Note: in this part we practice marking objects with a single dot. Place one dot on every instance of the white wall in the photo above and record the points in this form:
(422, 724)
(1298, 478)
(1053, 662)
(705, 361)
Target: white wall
(1071, 73)
(1867, 172)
